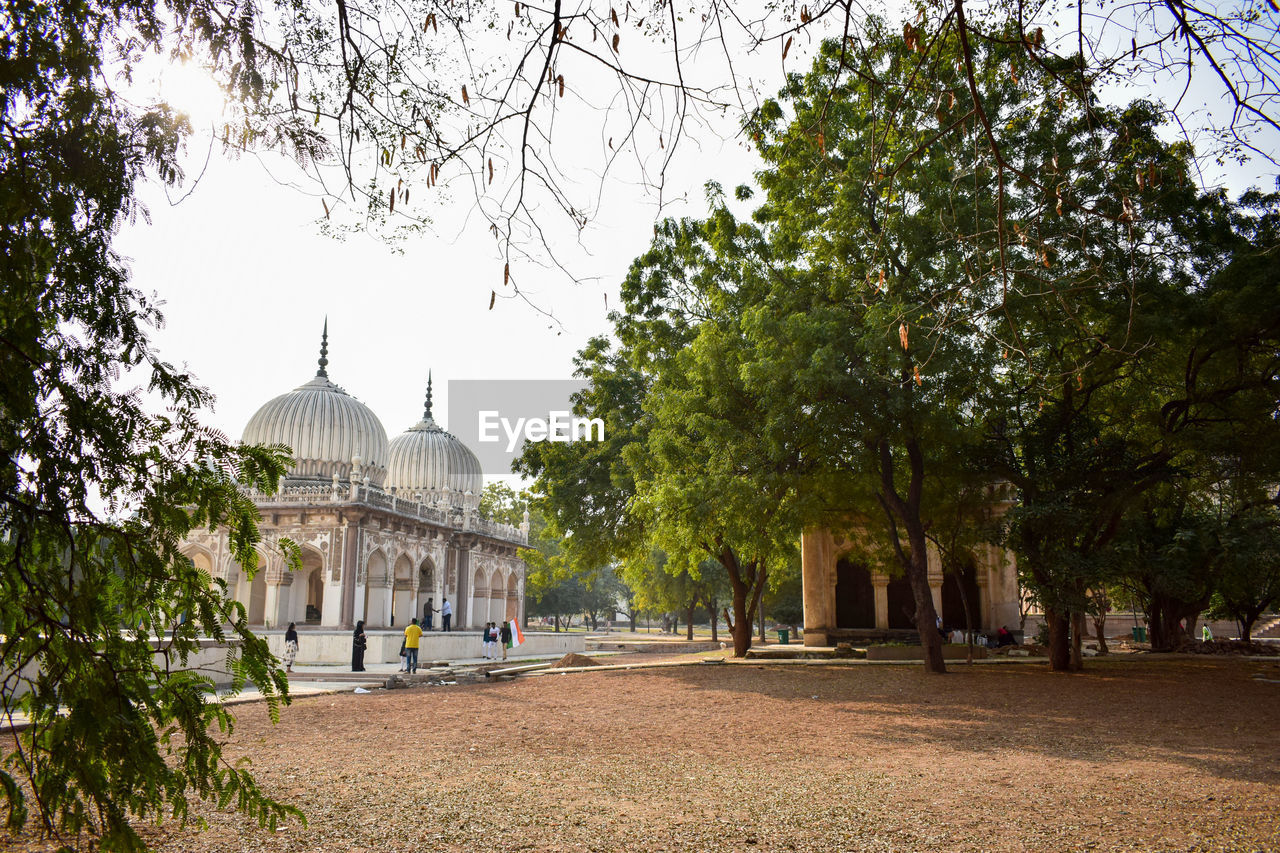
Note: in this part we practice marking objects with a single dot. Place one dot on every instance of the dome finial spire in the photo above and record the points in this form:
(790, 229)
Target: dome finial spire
(426, 411)
(324, 350)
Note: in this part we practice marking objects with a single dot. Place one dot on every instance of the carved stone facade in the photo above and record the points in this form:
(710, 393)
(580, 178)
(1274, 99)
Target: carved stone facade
(368, 551)
(369, 555)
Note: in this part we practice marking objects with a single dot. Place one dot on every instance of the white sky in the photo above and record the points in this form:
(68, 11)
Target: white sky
(247, 280)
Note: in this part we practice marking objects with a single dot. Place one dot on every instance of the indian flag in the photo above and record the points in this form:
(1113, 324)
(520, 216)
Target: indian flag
(517, 636)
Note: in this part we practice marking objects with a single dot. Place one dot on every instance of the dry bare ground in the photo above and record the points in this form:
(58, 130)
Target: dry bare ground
(1171, 754)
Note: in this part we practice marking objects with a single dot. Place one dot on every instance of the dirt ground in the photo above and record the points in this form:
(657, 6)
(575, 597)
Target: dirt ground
(1170, 754)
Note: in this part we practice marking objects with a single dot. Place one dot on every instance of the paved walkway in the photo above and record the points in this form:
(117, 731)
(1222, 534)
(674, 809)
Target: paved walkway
(312, 681)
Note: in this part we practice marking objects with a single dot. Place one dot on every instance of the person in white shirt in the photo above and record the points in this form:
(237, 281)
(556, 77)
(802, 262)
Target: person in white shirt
(446, 615)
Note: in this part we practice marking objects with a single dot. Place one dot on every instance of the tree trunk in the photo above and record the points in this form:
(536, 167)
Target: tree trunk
(557, 623)
(916, 563)
(747, 582)
(689, 620)
(917, 570)
(1099, 628)
(715, 620)
(741, 628)
(1059, 641)
(1077, 640)
(1164, 618)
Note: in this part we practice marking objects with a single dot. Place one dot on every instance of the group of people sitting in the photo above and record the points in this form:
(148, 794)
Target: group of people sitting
(1002, 637)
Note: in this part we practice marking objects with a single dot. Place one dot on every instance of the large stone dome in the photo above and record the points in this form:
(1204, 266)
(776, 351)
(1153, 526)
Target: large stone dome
(426, 459)
(326, 427)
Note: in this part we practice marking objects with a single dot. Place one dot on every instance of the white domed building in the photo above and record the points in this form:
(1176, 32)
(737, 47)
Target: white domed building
(386, 529)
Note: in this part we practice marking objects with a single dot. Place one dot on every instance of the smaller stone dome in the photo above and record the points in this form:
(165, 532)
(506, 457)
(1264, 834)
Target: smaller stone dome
(426, 459)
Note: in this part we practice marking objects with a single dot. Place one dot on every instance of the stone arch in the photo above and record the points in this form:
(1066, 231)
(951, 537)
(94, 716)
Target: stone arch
(953, 601)
(427, 599)
(497, 597)
(902, 604)
(200, 557)
(854, 595)
(402, 594)
(252, 592)
(307, 593)
(376, 590)
(479, 611)
(513, 598)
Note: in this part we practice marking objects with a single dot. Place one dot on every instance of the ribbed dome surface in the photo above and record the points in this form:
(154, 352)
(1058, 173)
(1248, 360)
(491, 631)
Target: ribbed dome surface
(326, 427)
(426, 457)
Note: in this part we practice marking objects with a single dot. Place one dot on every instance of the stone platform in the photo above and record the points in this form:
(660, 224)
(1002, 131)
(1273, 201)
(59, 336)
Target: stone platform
(319, 646)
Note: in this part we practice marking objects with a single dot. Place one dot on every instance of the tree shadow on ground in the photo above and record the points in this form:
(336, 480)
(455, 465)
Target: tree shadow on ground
(1210, 715)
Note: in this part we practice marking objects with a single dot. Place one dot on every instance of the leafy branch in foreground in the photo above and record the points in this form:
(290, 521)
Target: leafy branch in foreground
(103, 621)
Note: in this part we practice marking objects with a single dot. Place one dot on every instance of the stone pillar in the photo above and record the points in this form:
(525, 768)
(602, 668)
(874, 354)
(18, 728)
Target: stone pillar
(478, 606)
(350, 558)
(1005, 594)
(880, 584)
(460, 548)
(984, 601)
(935, 576)
(276, 601)
(520, 617)
(817, 568)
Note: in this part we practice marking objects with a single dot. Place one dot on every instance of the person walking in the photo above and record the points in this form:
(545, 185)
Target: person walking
(290, 647)
(411, 635)
(358, 643)
(446, 614)
(504, 638)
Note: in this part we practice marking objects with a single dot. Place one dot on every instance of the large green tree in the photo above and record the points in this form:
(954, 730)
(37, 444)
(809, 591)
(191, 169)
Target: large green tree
(100, 613)
(879, 341)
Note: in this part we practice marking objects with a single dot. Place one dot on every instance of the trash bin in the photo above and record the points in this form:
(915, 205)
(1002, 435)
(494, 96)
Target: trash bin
(784, 636)
(1139, 634)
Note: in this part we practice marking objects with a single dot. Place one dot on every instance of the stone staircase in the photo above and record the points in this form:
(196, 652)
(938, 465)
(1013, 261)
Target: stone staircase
(1267, 629)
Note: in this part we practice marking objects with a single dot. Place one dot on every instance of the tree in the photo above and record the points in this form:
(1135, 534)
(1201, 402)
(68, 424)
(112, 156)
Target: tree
(73, 151)
(499, 502)
(601, 593)
(879, 337)
(1250, 581)
(784, 602)
(482, 98)
(558, 596)
(100, 612)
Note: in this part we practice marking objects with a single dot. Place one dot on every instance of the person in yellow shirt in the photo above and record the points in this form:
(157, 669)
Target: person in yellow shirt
(411, 635)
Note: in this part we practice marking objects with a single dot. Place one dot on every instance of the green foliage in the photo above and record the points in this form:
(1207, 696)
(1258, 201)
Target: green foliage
(500, 503)
(100, 614)
(587, 485)
(784, 602)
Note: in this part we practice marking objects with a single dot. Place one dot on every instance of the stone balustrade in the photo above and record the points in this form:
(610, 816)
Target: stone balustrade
(447, 515)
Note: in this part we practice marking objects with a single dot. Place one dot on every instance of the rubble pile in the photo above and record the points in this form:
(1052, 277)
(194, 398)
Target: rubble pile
(575, 659)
